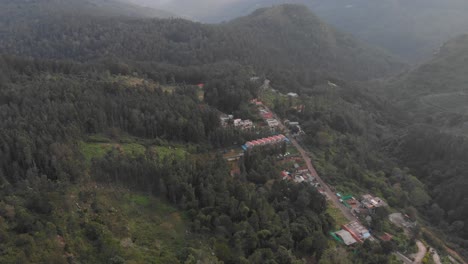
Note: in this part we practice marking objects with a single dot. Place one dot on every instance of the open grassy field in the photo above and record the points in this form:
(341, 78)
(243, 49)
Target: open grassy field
(92, 150)
(97, 146)
(336, 214)
(169, 151)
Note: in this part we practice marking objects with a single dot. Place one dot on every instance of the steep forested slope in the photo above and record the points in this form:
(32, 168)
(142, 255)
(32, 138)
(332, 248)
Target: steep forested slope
(266, 40)
(434, 145)
(436, 92)
(410, 29)
(291, 37)
(40, 9)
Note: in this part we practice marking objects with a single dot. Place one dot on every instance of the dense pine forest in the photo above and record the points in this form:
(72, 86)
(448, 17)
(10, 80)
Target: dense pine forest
(48, 108)
(112, 147)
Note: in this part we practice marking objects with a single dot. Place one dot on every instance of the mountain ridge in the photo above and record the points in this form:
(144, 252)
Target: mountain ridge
(317, 48)
(98, 8)
(410, 29)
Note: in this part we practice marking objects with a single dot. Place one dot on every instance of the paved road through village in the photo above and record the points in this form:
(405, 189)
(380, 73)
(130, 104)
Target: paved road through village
(325, 187)
(329, 193)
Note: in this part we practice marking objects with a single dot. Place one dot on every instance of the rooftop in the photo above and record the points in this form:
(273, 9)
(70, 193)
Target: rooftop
(369, 201)
(265, 141)
(346, 237)
(357, 230)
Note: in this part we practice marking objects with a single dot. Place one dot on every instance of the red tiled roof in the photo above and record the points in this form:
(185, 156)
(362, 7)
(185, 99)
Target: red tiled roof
(267, 140)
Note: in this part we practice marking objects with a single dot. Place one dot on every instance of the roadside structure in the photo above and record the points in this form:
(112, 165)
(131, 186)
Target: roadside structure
(370, 203)
(346, 237)
(272, 123)
(357, 230)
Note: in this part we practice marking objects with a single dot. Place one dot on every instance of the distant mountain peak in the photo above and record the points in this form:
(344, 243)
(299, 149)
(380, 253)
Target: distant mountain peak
(284, 10)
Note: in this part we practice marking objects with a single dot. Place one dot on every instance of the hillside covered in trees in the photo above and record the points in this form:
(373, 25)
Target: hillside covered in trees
(269, 40)
(40, 9)
(54, 116)
(413, 30)
(433, 140)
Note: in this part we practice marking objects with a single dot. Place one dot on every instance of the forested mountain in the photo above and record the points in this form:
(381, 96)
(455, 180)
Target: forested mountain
(25, 10)
(270, 40)
(436, 93)
(411, 29)
(433, 142)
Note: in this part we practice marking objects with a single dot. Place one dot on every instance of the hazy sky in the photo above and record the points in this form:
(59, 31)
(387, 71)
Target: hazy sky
(189, 8)
(187, 3)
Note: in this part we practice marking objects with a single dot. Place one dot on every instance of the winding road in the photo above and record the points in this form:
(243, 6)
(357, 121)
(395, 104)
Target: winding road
(422, 250)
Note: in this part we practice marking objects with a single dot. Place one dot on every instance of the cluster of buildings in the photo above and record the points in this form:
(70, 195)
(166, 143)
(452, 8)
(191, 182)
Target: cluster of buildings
(274, 140)
(256, 102)
(370, 203)
(355, 232)
(294, 127)
(227, 120)
(299, 174)
(272, 123)
(243, 124)
(365, 206)
(266, 114)
(352, 233)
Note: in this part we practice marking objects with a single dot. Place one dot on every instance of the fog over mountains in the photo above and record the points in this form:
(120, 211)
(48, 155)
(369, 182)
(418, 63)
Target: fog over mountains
(410, 29)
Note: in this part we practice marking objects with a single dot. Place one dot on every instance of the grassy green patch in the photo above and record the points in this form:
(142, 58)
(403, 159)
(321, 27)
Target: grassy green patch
(292, 150)
(169, 152)
(97, 146)
(336, 214)
(92, 150)
(268, 97)
(141, 200)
